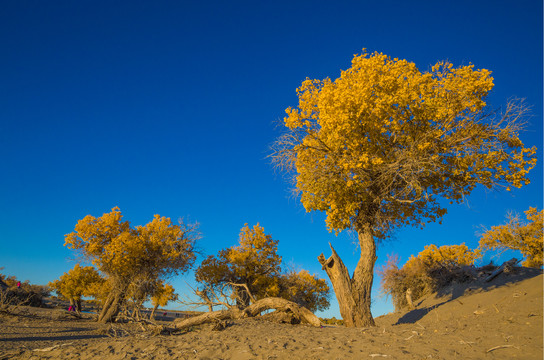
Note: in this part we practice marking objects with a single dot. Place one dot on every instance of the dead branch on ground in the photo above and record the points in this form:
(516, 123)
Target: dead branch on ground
(255, 309)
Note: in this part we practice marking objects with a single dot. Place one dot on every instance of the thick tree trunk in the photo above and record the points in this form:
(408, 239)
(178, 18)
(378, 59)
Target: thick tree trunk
(353, 293)
(78, 305)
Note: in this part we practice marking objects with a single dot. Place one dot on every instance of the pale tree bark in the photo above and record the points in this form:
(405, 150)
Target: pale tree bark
(409, 299)
(252, 310)
(353, 293)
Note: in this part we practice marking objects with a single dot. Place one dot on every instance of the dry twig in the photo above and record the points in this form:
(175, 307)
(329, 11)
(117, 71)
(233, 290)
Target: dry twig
(500, 347)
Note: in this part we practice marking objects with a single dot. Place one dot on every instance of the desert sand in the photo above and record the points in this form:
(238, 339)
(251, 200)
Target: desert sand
(497, 320)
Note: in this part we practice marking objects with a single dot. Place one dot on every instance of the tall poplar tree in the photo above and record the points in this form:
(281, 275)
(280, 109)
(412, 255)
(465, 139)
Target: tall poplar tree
(380, 146)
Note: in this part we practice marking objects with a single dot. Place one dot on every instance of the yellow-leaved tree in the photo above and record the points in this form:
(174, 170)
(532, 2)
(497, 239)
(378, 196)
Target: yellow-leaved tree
(252, 271)
(516, 234)
(79, 281)
(431, 269)
(378, 147)
(128, 255)
(163, 294)
(254, 263)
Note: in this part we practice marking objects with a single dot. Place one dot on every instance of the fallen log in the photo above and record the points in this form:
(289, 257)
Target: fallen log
(507, 264)
(255, 309)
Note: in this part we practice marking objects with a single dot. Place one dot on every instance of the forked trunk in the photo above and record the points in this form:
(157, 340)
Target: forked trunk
(242, 298)
(353, 293)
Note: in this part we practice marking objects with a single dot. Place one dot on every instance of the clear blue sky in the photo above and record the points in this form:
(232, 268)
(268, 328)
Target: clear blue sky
(169, 107)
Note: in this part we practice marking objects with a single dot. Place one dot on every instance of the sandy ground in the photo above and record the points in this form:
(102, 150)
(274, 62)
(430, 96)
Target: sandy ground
(497, 320)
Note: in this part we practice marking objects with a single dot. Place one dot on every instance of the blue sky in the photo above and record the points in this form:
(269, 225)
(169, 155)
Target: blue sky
(169, 107)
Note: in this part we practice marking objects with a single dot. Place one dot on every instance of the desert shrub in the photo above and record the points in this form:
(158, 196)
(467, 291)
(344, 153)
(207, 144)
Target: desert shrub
(332, 321)
(132, 259)
(432, 269)
(24, 294)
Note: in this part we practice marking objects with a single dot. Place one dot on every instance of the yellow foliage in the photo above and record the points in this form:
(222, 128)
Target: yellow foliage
(445, 256)
(381, 143)
(519, 235)
(78, 282)
(159, 247)
(163, 294)
(305, 289)
(253, 262)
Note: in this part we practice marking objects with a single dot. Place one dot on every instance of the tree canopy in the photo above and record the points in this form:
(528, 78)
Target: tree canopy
(253, 262)
(163, 294)
(382, 143)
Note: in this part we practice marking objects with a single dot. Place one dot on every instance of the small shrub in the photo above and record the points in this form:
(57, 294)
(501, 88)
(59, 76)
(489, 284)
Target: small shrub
(332, 321)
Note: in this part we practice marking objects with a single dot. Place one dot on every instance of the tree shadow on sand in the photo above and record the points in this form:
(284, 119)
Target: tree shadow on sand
(53, 338)
(454, 291)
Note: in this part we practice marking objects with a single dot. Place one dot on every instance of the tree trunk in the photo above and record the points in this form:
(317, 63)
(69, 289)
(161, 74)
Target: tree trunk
(242, 298)
(111, 308)
(78, 305)
(353, 293)
(409, 299)
(153, 312)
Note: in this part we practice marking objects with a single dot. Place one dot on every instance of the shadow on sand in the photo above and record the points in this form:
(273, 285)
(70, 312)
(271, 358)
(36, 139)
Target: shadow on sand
(457, 290)
(53, 338)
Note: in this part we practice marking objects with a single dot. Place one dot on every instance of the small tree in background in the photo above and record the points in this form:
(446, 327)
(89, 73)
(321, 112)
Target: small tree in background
(78, 282)
(125, 255)
(516, 234)
(254, 262)
(433, 268)
(252, 271)
(163, 294)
